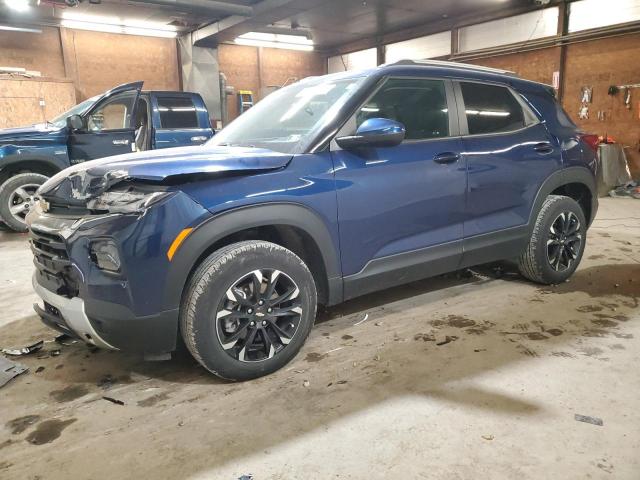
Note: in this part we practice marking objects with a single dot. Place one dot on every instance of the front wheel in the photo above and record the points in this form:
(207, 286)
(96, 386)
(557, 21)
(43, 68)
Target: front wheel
(17, 198)
(557, 242)
(248, 309)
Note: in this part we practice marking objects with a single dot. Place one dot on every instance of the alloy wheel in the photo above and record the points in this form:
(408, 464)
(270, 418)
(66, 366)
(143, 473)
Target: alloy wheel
(259, 315)
(564, 241)
(22, 200)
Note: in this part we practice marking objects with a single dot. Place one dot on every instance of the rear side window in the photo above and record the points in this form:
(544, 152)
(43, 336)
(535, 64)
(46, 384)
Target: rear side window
(420, 105)
(491, 109)
(177, 112)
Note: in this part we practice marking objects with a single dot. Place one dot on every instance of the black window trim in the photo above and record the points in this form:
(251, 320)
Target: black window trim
(453, 111)
(195, 108)
(462, 116)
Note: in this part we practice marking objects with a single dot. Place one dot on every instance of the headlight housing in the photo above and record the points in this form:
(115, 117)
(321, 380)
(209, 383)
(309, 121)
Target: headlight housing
(128, 200)
(104, 253)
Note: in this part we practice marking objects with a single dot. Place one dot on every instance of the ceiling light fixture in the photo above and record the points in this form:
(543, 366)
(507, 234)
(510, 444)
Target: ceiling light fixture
(17, 5)
(20, 29)
(275, 40)
(97, 23)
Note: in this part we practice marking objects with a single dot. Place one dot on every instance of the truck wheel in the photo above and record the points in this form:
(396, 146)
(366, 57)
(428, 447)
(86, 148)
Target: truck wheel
(557, 242)
(17, 197)
(248, 309)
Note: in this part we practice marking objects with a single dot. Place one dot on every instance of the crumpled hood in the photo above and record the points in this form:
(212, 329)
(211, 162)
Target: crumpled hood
(88, 179)
(26, 133)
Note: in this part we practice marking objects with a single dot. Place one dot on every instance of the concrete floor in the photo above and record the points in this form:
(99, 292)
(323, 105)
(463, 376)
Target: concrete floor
(383, 398)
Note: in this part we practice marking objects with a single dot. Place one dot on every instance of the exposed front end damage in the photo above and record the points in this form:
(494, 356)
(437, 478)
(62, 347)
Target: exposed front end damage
(100, 234)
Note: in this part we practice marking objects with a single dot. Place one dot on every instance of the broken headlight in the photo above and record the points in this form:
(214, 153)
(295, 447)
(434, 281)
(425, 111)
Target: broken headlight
(104, 253)
(126, 201)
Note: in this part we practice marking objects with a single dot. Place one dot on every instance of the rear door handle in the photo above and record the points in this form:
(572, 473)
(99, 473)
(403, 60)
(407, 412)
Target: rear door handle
(446, 157)
(198, 138)
(543, 147)
(123, 141)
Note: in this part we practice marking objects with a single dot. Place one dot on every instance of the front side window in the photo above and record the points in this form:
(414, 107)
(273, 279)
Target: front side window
(177, 112)
(420, 105)
(491, 109)
(114, 113)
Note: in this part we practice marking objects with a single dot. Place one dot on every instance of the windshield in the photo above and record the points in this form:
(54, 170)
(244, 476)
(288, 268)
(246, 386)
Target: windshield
(61, 120)
(289, 118)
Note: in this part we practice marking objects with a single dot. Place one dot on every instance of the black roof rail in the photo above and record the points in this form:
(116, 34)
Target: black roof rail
(442, 63)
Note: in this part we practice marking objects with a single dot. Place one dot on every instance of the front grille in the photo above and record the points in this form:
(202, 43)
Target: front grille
(53, 266)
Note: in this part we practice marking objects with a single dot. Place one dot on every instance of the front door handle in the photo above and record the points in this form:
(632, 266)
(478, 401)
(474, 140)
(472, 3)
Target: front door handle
(446, 157)
(120, 142)
(543, 148)
(199, 139)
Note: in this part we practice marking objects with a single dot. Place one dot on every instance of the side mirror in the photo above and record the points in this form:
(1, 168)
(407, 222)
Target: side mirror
(75, 122)
(374, 132)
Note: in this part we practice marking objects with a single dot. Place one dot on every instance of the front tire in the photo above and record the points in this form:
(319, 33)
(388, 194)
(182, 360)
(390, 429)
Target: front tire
(248, 309)
(557, 242)
(17, 197)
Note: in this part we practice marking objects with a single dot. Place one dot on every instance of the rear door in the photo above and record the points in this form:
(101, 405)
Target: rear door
(179, 120)
(509, 153)
(108, 126)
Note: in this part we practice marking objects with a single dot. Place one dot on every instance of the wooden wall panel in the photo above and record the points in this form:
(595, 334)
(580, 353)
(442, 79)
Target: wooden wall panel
(20, 100)
(537, 65)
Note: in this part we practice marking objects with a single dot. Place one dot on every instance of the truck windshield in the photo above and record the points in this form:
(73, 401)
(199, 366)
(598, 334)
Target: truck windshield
(61, 120)
(289, 118)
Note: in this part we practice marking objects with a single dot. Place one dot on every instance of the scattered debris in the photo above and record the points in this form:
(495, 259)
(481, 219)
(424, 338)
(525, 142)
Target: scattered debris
(447, 339)
(65, 340)
(24, 350)
(587, 419)
(106, 382)
(9, 370)
(113, 400)
(361, 321)
(488, 437)
(246, 477)
(306, 384)
(426, 337)
(377, 358)
(478, 350)
(40, 369)
(378, 324)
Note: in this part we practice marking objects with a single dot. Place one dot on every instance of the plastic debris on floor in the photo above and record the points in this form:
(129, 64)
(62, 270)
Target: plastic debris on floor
(628, 190)
(16, 352)
(9, 370)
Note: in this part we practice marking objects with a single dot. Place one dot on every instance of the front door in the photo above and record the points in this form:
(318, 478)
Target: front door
(401, 209)
(108, 128)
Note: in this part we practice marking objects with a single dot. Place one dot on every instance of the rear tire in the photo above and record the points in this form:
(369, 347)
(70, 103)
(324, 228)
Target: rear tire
(557, 242)
(248, 309)
(17, 198)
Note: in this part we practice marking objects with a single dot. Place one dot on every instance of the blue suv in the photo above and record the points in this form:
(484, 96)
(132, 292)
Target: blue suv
(330, 188)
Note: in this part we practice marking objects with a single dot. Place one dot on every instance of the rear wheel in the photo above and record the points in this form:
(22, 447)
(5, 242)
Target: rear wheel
(557, 242)
(17, 198)
(248, 309)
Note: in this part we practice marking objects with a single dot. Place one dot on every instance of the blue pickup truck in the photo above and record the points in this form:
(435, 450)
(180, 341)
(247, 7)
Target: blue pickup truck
(122, 120)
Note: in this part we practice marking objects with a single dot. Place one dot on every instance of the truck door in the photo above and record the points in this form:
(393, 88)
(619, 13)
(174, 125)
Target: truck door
(179, 121)
(108, 128)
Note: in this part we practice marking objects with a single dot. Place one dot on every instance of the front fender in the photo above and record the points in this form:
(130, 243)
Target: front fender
(224, 224)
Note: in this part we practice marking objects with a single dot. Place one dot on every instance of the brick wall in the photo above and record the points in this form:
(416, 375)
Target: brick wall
(598, 64)
(248, 69)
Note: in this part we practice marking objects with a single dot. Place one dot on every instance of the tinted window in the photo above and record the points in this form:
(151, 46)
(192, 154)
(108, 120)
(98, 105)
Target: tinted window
(420, 105)
(177, 112)
(491, 109)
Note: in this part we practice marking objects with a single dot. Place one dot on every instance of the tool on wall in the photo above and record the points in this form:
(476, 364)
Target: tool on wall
(614, 89)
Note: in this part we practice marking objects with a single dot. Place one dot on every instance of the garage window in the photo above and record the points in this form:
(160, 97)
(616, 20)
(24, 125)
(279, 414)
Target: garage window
(491, 109)
(177, 112)
(420, 105)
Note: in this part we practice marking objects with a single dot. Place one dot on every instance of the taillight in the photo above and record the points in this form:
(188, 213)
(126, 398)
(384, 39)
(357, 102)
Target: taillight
(592, 140)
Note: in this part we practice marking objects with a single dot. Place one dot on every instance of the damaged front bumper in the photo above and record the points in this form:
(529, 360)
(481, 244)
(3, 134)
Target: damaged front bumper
(124, 310)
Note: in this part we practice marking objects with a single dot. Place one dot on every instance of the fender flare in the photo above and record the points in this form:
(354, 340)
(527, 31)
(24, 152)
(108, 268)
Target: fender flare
(559, 178)
(233, 221)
